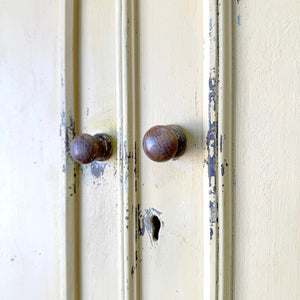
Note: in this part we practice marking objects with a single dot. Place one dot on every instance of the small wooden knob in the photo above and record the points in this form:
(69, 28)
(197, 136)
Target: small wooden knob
(86, 148)
(162, 143)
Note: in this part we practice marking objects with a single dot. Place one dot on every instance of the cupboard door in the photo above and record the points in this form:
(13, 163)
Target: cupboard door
(30, 200)
(134, 73)
(267, 123)
(169, 85)
(129, 227)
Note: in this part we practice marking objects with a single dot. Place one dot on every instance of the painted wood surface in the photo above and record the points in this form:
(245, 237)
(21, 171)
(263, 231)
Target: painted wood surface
(170, 92)
(131, 228)
(30, 150)
(267, 176)
(99, 213)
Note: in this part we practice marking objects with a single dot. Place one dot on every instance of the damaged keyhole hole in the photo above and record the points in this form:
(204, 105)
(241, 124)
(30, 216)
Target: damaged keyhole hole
(155, 223)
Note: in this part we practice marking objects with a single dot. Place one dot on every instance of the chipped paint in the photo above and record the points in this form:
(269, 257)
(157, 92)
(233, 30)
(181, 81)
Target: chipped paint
(97, 168)
(144, 222)
(217, 114)
(67, 126)
(211, 141)
(221, 143)
(213, 211)
(239, 20)
(223, 167)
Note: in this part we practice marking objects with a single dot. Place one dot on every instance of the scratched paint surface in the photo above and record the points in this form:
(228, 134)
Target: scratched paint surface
(30, 151)
(98, 182)
(267, 122)
(170, 92)
(211, 144)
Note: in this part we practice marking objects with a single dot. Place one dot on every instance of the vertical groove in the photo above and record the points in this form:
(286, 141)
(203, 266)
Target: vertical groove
(69, 238)
(127, 152)
(76, 101)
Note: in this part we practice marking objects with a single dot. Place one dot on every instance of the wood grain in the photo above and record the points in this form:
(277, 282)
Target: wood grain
(161, 143)
(86, 148)
(267, 122)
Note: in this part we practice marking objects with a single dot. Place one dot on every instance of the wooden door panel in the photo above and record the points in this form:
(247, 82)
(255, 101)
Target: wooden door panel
(30, 151)
(170, 92)
(98, 183)
(266, 206)
(227, 73)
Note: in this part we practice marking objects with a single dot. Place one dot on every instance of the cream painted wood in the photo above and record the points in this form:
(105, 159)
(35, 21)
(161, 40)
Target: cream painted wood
(217, 126)
(267, 122)
(170, 92)
(100, 222)
(30, 150)
(128, 161)
(69, 232)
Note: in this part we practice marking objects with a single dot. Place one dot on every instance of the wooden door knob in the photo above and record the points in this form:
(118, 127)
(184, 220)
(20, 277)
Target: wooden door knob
(162, 143)
(86, 148)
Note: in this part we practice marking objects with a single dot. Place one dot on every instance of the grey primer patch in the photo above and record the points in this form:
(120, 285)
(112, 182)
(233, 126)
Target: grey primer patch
(239, 20)
(98, 169)
(213, 211)
(212, 133)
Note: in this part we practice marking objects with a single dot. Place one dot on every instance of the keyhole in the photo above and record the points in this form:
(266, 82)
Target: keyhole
(155, 222)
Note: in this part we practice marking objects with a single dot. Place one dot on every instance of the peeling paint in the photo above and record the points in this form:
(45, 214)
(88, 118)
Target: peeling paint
(211, 134)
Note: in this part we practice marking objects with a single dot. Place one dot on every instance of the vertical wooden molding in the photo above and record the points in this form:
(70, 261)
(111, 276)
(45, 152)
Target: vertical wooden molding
(127, 154)
(69, 238)
(225, 143)
(210, 127)
(217, 184)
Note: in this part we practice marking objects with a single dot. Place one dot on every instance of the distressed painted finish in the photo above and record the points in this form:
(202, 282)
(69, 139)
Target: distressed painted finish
(131, 228)
(99, 215)
(68, 170)
(30, 150)
(267, 173)
(210, 127)
(170, 92)
(217, 183)
(128, 161)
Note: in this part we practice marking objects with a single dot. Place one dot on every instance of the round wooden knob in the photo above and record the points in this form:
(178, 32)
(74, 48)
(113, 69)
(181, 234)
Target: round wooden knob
(162, 143)
(86, 148)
